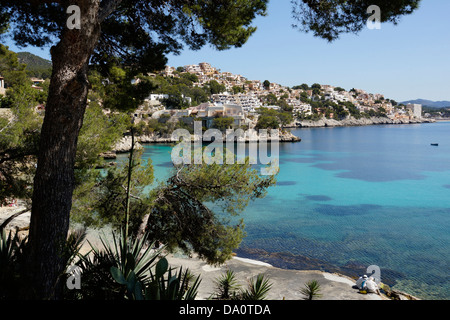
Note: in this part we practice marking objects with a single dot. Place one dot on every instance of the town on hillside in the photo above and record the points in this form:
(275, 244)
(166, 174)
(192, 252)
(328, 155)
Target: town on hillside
(250, 103)
(224, 100)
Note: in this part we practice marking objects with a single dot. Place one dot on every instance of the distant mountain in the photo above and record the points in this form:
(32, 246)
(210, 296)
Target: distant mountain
(36, 66)
(32, 60)
(429, 103)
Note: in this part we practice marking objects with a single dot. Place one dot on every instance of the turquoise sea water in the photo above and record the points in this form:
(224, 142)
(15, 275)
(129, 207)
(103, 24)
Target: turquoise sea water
(374, 195)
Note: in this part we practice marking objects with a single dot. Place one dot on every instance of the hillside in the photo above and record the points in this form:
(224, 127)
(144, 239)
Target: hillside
(429, 103)
(36, 66)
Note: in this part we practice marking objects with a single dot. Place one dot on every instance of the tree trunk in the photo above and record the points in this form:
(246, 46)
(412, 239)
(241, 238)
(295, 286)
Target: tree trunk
(54, 179)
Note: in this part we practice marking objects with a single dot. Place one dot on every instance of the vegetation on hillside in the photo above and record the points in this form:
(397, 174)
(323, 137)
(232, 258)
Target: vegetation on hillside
(35, 66)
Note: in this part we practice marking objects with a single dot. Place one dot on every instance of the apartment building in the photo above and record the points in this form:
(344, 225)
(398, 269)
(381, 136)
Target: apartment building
(248, 102)
(207, 69)
(303, 107)
(416, 110)
(193, 68)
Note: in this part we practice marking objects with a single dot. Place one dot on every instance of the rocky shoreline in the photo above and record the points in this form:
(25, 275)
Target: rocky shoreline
(352, 122)
(124, 145)
(285, 268)
(351, 270)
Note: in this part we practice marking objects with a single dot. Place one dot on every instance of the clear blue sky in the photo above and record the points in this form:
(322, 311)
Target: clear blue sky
(407, 61)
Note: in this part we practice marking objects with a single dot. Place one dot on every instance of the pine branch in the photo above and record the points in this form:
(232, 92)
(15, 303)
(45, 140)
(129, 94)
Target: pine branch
(108, 7)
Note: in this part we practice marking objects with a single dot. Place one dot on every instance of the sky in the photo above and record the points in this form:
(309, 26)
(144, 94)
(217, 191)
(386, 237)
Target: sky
(408, 61)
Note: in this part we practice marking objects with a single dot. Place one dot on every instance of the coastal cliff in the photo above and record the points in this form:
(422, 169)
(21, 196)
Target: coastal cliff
(124, 145)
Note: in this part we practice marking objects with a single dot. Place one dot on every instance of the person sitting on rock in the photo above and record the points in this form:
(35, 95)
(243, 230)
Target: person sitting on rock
(371, 286)
(361, 282)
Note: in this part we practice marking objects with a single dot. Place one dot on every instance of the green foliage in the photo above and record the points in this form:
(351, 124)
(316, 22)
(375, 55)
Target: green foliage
(272, 119)
(238, 89)
(138, 32)
(258, 288)
(175, 287)
(352, 109)
(119, 88)
(157, 287)
(214, 87)
(11, 69)
(329, 19)
(316, 91)
(230, 22)
(311, 290)
(285, 118)
(181, 218)
(190, 77)
(32, 60)
(223, 123)
(101, 200)
(35, 65)
(340, 112)
(112, 272)
(175, 101)
(226, 286)
(122, 269)
(98, 134)
(267, 122)
(12, 258)
(381, 112)
(178, 87)
(271, 99)
(19, 142)
(179, 214)
(14, 269)
(303, 86)
(304, 97)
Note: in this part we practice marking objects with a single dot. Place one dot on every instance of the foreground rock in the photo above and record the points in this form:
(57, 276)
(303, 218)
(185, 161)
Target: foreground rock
(286, 283)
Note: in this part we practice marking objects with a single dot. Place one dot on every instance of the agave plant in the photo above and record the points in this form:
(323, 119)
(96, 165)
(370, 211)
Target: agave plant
(12, 257)
(175, 287)
(311, 290)
(121, 261)
(258, 288)
(226, 286)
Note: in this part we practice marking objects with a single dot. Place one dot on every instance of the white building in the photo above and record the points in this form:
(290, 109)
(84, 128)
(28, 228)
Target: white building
(249, 102)
(303, 107)
(169, 71)
(193, 68)
(160, 97)
(157, 97)
(416, 109)
(209, 111)
(2, 85)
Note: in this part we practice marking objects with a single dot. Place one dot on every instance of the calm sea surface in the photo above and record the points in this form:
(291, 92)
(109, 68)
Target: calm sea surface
(374, 195)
